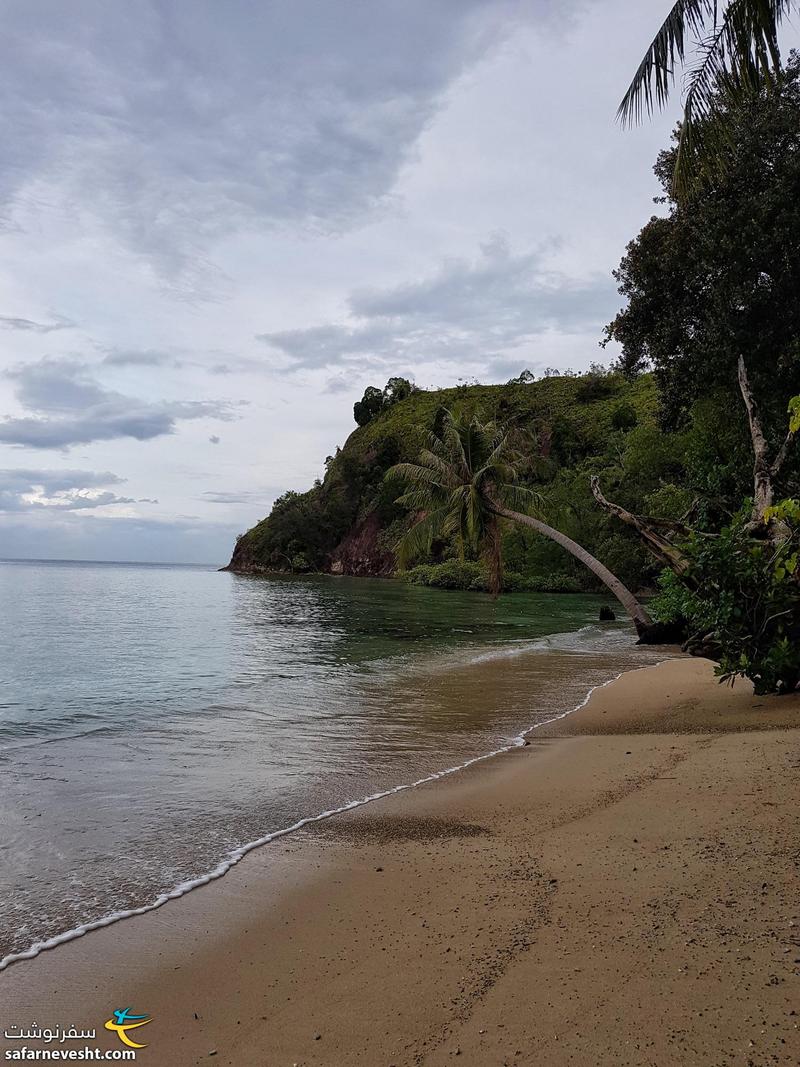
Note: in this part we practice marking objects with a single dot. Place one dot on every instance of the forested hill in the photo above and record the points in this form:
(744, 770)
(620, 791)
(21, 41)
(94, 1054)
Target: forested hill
(566, 427)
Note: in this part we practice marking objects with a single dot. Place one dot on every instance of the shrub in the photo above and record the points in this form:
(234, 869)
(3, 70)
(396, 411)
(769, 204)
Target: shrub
(471, 575)
(741, 601)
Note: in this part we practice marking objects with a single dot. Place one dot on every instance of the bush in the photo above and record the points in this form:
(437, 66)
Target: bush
(741, 601)
(470, 575)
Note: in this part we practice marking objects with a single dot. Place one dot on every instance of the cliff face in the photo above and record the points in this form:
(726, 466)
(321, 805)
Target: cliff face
(361, 552)
(348, 523)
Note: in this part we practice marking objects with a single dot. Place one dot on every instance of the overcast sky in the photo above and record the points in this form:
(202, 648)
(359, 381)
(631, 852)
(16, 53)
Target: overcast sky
(221, 221)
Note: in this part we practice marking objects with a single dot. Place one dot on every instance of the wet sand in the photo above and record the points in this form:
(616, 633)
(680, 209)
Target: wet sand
(624, 890)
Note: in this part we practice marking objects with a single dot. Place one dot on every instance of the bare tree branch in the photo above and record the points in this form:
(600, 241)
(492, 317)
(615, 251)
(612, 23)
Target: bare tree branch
(782, 454)
(658, 544)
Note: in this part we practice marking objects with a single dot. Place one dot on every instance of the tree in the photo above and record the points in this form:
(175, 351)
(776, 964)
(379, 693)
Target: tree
(739, 57)
(395, 390)
(374, 401)
(719, 276)
(737, 592)
(370, 405)
(463, 484)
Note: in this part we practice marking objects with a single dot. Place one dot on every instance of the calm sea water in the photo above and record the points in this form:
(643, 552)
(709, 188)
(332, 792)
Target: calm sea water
(155, 718)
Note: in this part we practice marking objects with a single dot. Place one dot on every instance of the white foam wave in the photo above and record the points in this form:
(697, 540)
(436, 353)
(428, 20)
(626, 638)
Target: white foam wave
(239, 853)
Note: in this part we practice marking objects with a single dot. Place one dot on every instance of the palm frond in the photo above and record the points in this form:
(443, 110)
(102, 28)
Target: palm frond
(418, 540)
(739, 50)
(421, 499)
(437, 463)
(737, 60)
(655, 74)
(520, 498)
(414, 474)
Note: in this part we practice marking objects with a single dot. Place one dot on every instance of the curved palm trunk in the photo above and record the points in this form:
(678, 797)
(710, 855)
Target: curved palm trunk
(641, 620)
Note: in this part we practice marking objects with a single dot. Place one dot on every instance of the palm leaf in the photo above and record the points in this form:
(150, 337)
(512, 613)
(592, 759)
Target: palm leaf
(418, 540)
(739, 56)
(656, 73)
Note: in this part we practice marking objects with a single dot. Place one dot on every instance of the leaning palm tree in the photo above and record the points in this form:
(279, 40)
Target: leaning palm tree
(738, 55)
(464, 484)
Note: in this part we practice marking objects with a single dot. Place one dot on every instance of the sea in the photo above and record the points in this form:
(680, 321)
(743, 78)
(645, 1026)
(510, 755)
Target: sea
(158, 722)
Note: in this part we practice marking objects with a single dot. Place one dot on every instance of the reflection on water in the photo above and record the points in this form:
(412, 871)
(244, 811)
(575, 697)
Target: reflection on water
(154, 718)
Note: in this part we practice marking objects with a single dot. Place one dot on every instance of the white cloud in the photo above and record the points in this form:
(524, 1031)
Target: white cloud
(63, 490)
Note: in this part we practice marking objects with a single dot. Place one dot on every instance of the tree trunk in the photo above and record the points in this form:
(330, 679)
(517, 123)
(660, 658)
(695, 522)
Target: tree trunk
(764, 471)
(641, 620)
(660, 546)
(493, 555)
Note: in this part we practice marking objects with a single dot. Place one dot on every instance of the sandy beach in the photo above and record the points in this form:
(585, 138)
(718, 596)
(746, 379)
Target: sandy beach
(621, 891)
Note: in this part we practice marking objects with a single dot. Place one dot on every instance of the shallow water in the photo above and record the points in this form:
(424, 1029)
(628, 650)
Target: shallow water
(153, 719)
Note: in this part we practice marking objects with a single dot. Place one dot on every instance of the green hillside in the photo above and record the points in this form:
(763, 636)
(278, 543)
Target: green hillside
(567, 428)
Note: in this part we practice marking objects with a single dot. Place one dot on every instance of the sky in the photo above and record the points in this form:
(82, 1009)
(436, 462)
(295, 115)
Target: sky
(220, 222)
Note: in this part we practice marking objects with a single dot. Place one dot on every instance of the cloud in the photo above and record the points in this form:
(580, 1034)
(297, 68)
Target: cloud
(224, 497)
(175, 123)
(338, 383)
(10, 322)
(62, 490)
(467, 312)
(139, 358)
(70, 407)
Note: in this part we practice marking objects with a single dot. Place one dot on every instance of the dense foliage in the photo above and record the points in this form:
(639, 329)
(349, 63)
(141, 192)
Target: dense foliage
(567, 427)
(719, 276)
(741, 601)
(374, 401)
(472, 575)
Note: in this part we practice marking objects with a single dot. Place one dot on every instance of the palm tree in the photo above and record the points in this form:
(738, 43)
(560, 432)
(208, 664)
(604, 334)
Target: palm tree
(464, 483)
(738, 55)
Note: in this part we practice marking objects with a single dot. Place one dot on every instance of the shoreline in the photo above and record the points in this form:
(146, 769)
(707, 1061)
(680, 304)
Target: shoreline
(500, 914)
(233, 858)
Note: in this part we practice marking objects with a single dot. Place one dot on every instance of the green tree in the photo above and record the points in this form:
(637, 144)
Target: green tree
(370, 405)
(374, 401)
(395, 390)
(463, 484)
(736, 591)
(736, 44)
(718, 277)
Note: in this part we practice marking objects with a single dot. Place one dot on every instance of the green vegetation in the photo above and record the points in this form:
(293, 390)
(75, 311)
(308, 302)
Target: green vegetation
(718, 277)
(374, 401)
(474, 576)
(739, 598)
(565, 427)
(460, 488)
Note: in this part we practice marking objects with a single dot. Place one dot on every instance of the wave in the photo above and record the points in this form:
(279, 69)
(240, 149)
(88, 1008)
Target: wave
(236, 855)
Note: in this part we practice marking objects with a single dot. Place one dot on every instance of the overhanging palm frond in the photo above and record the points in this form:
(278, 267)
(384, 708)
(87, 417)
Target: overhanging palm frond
(738, 57)
(737, 60)
(655, 74)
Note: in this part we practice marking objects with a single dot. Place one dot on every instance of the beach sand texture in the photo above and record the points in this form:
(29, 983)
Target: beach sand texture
(622, 891)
